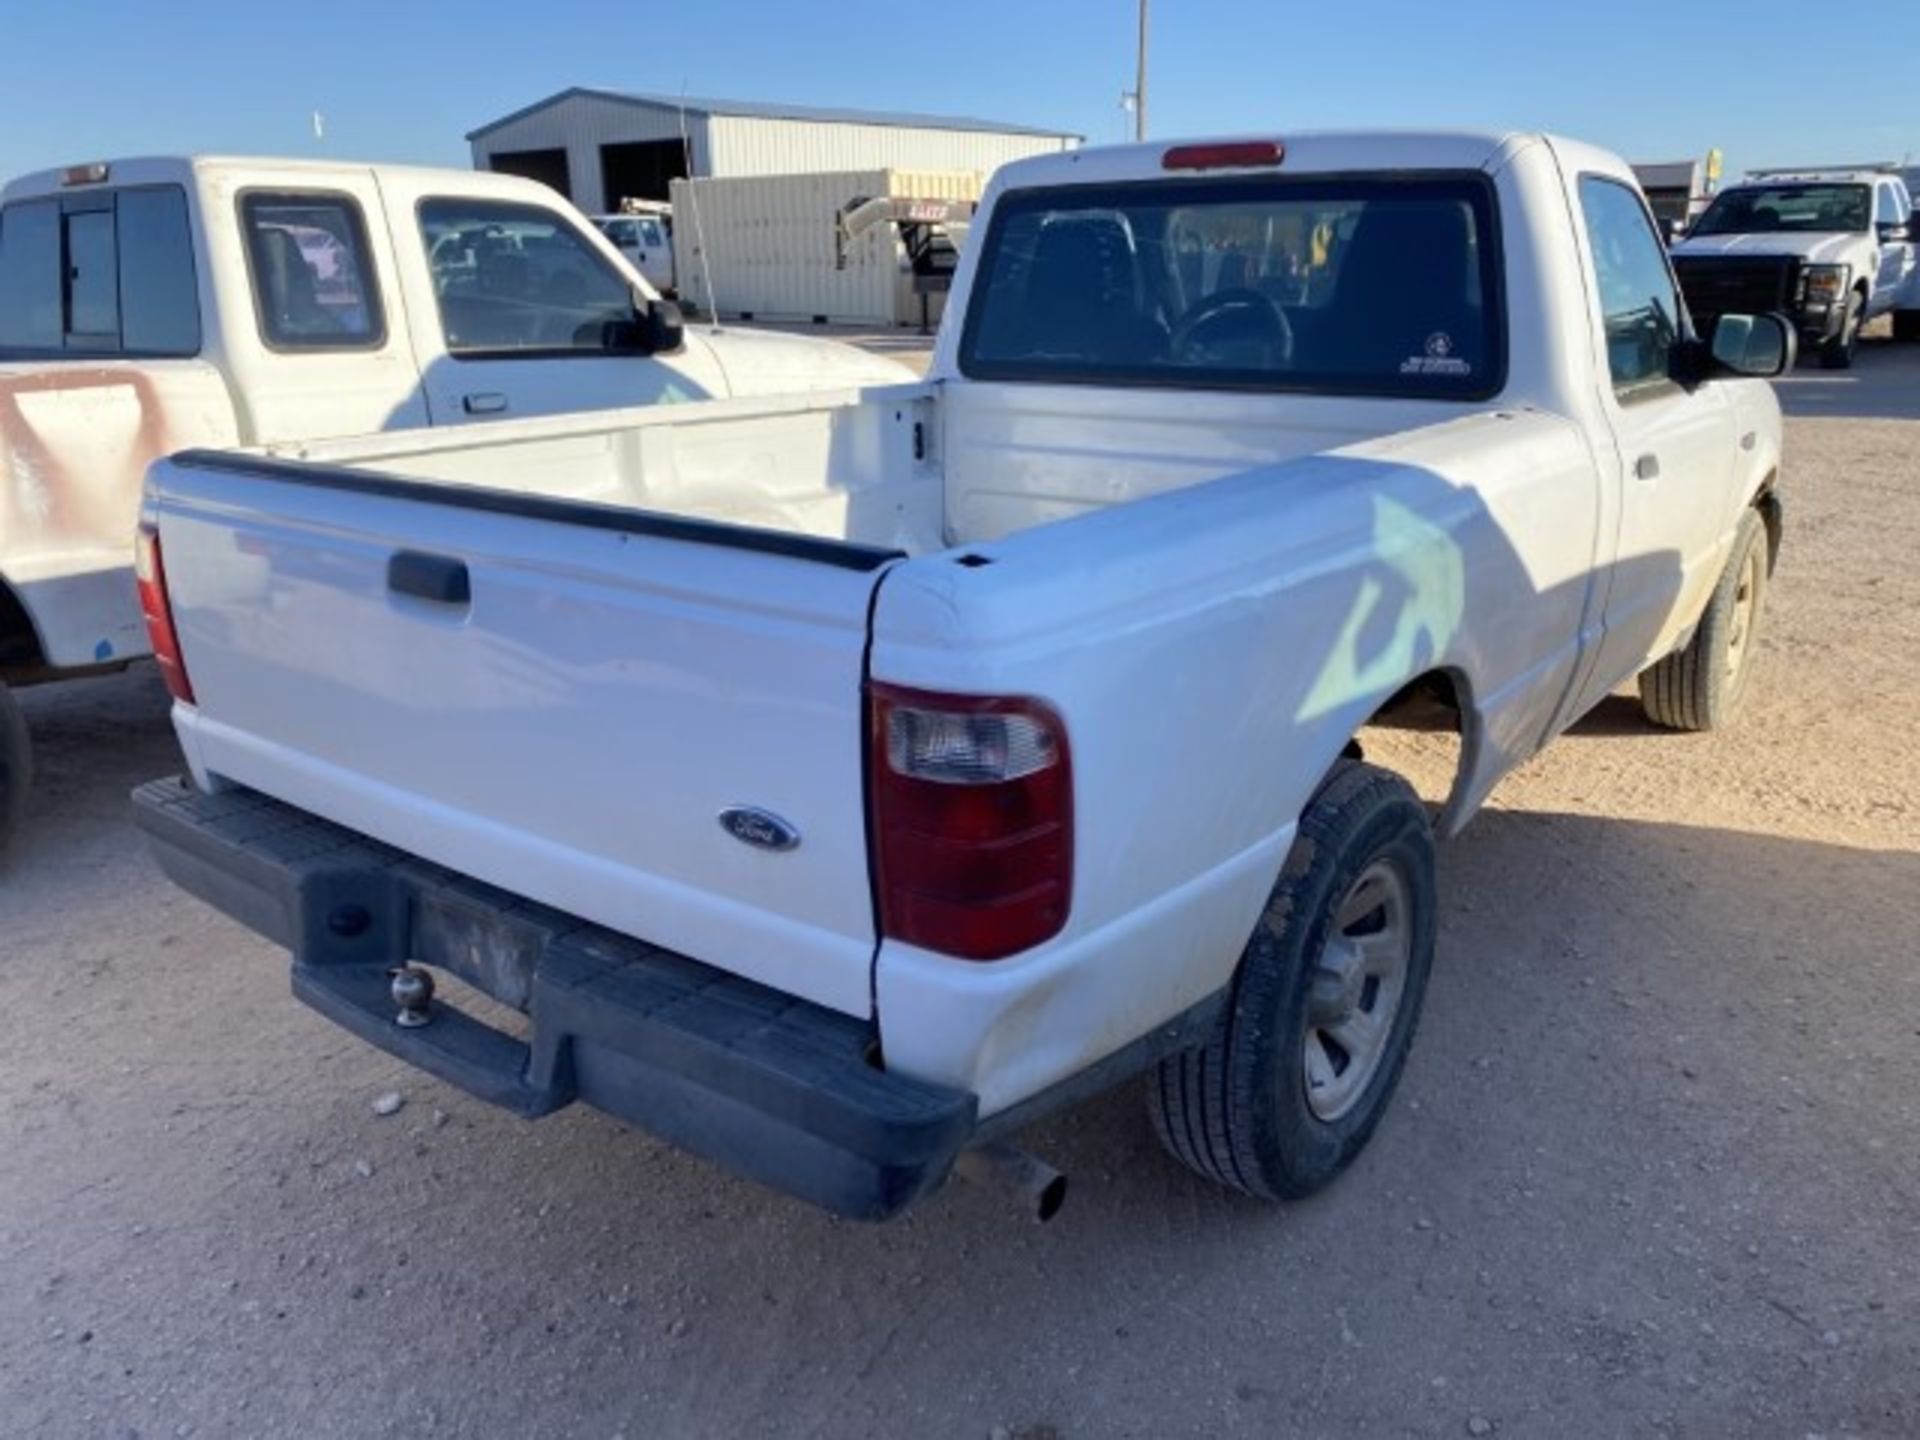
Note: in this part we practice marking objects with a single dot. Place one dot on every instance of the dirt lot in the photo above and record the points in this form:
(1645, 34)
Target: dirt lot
(1654, 1170)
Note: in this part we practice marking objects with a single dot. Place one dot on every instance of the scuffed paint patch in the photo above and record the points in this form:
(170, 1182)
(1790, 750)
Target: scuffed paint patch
(103, 651)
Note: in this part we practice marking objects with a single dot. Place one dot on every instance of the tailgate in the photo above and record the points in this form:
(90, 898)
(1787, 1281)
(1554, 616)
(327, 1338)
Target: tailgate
(558, 698)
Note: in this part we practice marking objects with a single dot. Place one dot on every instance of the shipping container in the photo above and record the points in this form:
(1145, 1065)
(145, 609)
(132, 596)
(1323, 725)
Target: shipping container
(768, 245)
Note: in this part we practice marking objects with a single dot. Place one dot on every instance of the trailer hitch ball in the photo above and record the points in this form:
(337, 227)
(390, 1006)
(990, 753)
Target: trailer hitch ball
(349, 922)
(412, 991)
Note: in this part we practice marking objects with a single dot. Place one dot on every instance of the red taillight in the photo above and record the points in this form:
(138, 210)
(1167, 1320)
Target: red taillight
(972, 819)
(1224, 155)
(158, 610)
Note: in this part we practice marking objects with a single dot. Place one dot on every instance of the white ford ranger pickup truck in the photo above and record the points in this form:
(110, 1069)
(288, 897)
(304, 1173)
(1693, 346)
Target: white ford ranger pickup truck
(153, 305)
(838, 782)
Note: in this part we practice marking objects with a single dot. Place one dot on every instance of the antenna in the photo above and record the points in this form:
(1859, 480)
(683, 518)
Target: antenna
(1140, 80)
(319, 126)
(693, 205)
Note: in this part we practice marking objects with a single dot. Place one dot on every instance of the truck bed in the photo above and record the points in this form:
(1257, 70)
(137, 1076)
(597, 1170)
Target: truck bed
(559, 688)
(856, 465)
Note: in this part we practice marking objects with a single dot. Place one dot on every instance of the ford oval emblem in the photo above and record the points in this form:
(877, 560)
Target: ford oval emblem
(759, 828)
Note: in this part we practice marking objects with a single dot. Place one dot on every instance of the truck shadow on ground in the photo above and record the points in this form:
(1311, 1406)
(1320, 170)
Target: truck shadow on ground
(1624, 1033)
(94, 739)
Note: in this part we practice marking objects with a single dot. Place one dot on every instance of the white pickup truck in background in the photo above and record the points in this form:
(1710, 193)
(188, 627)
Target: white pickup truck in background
(151, 305)
(1831, 249)
(838, 782)
(643, 233)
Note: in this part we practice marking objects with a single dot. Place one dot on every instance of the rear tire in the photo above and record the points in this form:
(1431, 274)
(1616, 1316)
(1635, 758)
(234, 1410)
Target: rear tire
(1837, 353)
(1906, 325)
(1343, 949)
(1701, 686)
(16, 766)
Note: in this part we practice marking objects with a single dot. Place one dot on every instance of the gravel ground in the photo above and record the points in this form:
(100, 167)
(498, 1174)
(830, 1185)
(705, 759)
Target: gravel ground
(1654, 1169)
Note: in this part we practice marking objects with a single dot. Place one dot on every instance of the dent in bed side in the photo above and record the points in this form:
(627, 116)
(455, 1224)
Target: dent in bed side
(75, 442)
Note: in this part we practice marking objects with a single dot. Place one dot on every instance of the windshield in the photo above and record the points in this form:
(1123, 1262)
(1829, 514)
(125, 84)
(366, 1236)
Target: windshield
(1329, 285)
(1787, 209)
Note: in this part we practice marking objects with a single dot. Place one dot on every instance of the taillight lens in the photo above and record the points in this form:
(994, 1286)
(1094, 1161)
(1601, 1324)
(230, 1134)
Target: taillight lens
(158, 610)
(972, 817)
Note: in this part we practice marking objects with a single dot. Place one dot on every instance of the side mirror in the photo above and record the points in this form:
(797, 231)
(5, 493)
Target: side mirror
(1761, 346)
(666, 329)
(655, 329)
(1893, 232)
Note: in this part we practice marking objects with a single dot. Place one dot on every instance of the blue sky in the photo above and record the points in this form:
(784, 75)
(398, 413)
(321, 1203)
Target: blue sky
(1764, 79)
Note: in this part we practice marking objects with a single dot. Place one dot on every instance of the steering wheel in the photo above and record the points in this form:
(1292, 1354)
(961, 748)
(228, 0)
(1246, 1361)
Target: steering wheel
(1228, 322)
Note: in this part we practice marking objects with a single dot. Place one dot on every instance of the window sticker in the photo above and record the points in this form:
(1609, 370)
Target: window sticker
(1439, 358)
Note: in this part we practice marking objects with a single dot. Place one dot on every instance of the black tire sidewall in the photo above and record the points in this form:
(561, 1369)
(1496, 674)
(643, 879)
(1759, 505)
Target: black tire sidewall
(1296, 1151)
(1727, 692)
(16, 766)
(1837, 354)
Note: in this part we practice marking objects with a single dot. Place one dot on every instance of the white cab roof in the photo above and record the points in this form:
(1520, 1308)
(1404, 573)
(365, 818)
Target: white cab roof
(1812, 177)
(266, 170)
(1306, 152)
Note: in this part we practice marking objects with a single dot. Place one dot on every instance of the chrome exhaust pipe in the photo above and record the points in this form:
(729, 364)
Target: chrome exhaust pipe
(1036, 1189)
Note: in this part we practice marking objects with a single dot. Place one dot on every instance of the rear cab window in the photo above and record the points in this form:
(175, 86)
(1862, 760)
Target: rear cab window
(313, 280)
(513, 280)
(1331, 285)
(103, 272)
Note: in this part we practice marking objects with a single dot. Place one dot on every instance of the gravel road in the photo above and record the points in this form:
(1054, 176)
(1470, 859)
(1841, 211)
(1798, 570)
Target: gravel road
(1654, 1169)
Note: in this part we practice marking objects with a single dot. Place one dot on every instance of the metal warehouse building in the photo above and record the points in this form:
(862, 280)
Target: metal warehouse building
(598, 146)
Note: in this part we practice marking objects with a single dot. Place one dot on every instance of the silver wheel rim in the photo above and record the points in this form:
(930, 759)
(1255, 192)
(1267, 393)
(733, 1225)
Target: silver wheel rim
(1746, 603)
(1355, 991)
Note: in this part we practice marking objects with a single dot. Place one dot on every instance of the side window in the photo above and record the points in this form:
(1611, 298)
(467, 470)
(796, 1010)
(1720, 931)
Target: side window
(159, 302)
(104, 274)
(313, 284)
(623, 232)
(651, 235)
(93, 279)
(31, 311)
(515, 278)
(1638, 304)
(1887, 209)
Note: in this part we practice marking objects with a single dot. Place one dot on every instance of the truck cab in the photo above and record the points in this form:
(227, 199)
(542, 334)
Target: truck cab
(1831, 249)
(157, 304)
(645, 237)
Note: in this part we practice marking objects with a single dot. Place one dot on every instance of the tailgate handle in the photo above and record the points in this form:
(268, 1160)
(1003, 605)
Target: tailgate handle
(439, 578)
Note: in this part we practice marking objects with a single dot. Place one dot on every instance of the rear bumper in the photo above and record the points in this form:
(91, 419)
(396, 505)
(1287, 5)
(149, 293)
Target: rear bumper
(773, 1088)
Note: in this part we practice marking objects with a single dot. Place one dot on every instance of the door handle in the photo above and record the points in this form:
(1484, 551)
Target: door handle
(490, 402)
(439, 578)
(1647, 467)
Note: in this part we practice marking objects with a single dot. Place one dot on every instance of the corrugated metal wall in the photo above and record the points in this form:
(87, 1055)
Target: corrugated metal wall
(580, 125)
(769, 244)
(749, 146)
